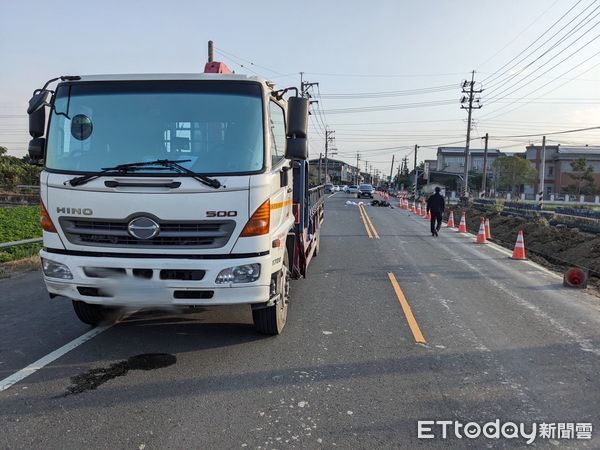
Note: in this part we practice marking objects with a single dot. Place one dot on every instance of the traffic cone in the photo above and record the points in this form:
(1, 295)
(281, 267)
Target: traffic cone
(519, 251)
(451, 220)
(575, 277)
(488, 234)
(414, 208)
(427, 215)
(419, 212)
(481, 239)
(462, 227)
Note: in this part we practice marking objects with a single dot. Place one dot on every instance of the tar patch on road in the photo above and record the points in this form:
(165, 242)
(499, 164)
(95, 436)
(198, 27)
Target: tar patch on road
(93, 378)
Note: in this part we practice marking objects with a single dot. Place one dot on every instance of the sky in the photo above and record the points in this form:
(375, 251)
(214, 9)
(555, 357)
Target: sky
(537, 61)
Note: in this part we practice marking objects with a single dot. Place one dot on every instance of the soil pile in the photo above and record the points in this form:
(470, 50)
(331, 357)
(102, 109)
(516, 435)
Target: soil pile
(554, 247)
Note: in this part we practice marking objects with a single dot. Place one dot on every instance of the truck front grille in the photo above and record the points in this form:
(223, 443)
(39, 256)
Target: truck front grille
(114, 233)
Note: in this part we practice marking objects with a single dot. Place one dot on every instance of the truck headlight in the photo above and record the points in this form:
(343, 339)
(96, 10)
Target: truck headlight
(239, 274)
(56, 270)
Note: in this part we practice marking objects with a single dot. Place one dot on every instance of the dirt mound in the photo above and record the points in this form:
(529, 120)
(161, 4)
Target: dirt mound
(554, 247)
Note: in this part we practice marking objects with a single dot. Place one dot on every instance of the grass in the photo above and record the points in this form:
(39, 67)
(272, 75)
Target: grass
(20, 222)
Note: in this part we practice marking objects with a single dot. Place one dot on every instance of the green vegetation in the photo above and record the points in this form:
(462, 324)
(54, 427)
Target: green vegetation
(15, 171)
(583, 175)
(18, 223)
(512, 172)
(21, 222)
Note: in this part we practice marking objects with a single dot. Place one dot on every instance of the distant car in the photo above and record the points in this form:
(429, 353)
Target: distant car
(345, 188)
(365, 190)
(328, 187)
(353, 189)
(336, 188)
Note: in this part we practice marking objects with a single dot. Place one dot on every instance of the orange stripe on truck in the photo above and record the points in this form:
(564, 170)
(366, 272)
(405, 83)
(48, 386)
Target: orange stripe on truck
(281, 204)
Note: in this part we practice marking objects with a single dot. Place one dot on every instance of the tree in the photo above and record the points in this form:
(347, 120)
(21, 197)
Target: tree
(15, 171)
(583, 175)
(512, 172)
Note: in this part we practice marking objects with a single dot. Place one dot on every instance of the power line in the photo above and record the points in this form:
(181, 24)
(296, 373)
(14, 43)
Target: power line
(492, 76)
(499, 95)
(391, 107)
(499, 84)
(383, 94)
(543, 86)
(519, 35)
(231, 55)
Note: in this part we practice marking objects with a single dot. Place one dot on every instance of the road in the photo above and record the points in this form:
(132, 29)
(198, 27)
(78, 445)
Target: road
(387, 330)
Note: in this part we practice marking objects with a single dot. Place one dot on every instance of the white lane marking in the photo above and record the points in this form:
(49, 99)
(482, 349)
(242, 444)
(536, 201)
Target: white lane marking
(332, 195)
(50, 357)
(508, 253)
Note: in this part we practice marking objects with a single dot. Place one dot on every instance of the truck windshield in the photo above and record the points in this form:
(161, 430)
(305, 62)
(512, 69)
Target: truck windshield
(218, 126)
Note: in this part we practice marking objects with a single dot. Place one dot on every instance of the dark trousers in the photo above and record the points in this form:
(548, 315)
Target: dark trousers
(436, 221)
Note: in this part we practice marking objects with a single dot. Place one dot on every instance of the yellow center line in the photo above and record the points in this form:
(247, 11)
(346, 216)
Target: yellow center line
(360, 211)
(369, 222)
(412, 323)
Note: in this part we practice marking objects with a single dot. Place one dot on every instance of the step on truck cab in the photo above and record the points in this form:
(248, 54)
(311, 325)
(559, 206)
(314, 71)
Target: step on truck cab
(174, 191)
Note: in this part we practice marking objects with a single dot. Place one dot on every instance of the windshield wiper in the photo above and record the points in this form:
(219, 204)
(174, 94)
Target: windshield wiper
(166, 163)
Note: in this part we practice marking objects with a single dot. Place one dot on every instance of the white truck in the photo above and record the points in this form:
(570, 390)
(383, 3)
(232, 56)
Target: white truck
(174, 191)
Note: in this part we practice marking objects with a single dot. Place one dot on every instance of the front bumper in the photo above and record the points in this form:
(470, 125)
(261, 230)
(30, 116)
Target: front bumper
(127, 289)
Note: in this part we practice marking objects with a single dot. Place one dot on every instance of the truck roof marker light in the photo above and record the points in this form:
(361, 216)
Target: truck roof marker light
(45, 220)
(259, 223)
(217, 67)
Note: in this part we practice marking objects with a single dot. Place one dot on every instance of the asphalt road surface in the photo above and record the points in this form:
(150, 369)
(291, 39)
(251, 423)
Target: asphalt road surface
(391, 327)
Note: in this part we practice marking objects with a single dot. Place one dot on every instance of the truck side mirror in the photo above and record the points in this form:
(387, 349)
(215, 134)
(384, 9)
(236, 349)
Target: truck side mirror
(37, 148)
(297, 129)
(37, 113)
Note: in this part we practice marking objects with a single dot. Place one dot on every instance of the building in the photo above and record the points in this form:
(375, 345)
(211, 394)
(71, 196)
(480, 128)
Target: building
(452, 159)
(558, 166)
(338, 172)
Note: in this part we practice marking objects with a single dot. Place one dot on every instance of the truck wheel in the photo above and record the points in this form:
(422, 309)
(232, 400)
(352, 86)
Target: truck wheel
(91, 314)
(271, 320)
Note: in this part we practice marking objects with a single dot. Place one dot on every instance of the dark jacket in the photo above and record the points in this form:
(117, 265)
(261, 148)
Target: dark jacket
(436, 203)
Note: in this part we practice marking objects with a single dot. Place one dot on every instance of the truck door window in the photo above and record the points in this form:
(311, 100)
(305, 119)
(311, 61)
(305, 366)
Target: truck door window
(277, 131)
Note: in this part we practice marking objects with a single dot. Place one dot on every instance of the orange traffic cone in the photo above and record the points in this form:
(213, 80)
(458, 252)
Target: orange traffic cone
(481, 239)
(488, 234)
(427, 214)
(451, 220)
(519, 251)
(419, 212)
(462, 227)
(414, 208)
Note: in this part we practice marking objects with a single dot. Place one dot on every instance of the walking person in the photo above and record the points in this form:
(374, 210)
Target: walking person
(436, 206)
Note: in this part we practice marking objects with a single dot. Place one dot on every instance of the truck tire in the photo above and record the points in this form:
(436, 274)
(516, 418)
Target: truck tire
(91, 314)
(271, 320)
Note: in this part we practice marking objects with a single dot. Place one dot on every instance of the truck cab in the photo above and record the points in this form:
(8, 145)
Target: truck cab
(172, 190)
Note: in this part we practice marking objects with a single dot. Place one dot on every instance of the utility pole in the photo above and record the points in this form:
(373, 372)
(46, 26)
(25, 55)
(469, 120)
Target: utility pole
(468, 88)
(328, 137)
(415, 185)
(211, 54)
(391, 171)
(320, 177)
(357, 168)
(484, 176)
(542, 171)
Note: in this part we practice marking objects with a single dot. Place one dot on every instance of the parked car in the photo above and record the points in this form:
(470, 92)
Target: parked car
(345, 188)
(329, 188)
(365, 190)
(353, 189)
